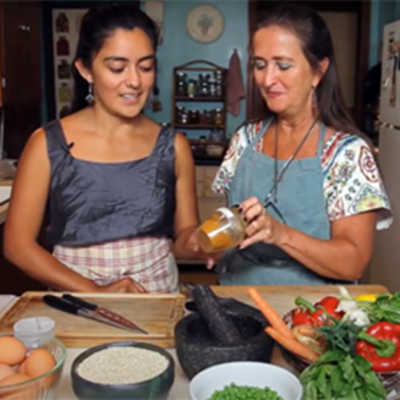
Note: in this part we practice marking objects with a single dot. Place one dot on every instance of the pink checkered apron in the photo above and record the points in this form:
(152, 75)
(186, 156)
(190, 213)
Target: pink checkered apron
(148, 261)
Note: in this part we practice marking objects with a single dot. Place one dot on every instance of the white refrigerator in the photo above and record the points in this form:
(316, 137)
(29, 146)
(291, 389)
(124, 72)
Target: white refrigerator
(385, 264)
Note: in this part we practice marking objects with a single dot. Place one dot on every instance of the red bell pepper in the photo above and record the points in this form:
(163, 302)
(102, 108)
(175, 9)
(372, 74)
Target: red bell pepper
(316, 315)
(380, 345)
(302, 316)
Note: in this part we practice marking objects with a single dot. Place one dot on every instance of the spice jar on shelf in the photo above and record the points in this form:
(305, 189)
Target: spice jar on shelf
(225, 229)
(182, 118)
(219, 79)
(216, 135)
(202, 117)
(219, 117)
(213, 88)
(178, 113)
(193, 117)
(191, 88)
(208, 117)
(181, 84)
(204, 89)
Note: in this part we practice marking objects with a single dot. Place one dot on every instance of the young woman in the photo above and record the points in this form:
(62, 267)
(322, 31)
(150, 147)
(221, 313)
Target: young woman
(120, 187)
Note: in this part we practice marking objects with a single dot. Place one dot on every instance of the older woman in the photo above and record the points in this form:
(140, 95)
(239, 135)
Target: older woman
(305, 178)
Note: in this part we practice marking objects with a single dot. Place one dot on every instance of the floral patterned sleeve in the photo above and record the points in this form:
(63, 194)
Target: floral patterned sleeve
(352, 182)
(238, 143)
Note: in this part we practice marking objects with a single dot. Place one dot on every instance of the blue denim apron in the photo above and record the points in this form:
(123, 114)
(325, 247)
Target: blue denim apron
(300, 200)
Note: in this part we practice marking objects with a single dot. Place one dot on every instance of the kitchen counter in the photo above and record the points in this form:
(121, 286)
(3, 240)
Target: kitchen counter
(280, 297)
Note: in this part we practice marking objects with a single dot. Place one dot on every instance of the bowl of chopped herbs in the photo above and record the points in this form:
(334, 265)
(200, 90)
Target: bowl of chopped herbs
(245, 380)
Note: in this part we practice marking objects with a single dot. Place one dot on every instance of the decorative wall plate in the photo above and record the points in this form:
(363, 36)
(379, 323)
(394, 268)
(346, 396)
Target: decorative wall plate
(205, 23)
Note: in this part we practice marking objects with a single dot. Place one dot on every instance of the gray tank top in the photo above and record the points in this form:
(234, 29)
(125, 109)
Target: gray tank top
(93, 202)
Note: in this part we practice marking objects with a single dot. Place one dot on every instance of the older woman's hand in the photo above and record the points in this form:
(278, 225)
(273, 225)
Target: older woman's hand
(261, 227)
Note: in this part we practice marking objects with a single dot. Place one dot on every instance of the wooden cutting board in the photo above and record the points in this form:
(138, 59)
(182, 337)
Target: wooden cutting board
(155, 313)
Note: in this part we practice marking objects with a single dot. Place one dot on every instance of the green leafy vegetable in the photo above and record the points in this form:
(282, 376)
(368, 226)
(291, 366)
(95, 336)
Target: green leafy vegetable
(385, 308)
(341, 335)
(235, 392)
(338, 375)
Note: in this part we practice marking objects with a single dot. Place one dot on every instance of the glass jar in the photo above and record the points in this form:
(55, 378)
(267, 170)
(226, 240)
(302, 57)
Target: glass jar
(216, 135)
(204, 90)
(193, 117)
(184, 118)
(224, 230)
(178, 113)
(191, 88)
(34, 331)
(181, 84)
(219, 117)
(219, 79)
(208, 117)
(212, 88)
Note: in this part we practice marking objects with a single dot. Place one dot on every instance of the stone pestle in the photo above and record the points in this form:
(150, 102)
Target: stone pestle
(218, 322)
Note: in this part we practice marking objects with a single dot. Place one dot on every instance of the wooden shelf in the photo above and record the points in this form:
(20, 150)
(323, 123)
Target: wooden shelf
(199, 98)
(198, 126)
(199, 66)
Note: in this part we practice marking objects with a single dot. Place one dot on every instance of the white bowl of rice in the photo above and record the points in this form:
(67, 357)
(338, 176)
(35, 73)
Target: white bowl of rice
(123, 370)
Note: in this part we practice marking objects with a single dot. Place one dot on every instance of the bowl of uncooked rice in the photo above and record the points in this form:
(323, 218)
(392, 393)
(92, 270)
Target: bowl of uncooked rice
(123, 370)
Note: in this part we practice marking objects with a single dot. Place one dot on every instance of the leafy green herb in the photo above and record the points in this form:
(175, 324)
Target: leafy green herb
(385, 308)
(235, 392)
(340, 335)
(338, 375)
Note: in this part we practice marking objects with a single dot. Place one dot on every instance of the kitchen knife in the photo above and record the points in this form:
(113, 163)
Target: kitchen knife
(71, 308)
(104, 312)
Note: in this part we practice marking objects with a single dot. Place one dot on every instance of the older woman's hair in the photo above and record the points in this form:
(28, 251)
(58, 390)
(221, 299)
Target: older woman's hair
(317, 45)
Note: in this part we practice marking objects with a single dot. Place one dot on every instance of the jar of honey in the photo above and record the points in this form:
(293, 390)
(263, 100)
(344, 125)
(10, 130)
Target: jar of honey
(225, 229)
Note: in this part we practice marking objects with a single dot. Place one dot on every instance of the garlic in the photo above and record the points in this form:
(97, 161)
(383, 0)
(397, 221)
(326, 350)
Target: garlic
(347, 306)
(358, 316)
(351, 309)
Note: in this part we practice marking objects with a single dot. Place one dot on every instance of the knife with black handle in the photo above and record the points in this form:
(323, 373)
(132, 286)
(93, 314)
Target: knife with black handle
(64, 305)
(104, 312)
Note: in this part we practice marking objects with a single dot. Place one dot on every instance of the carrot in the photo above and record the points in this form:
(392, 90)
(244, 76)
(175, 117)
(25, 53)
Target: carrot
(307, 331)
(292, 345)
(270, 314)
(310, 337)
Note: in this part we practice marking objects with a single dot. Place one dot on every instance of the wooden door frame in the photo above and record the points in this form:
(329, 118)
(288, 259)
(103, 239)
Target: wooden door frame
(48, 6)
(362, 61)
(362, 58)
(1, 53)
(251, 86)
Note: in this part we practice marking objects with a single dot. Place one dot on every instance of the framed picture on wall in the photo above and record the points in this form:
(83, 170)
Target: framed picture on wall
(61, 25)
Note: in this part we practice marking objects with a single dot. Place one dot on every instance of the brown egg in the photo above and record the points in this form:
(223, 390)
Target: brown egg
(39, 362)
(12, 351)
(5, 371)
(28, 391)
(22, 368)
(14, 380)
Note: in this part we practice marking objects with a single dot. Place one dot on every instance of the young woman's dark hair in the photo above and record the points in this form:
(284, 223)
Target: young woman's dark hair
(97, 25)
(316, 41)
